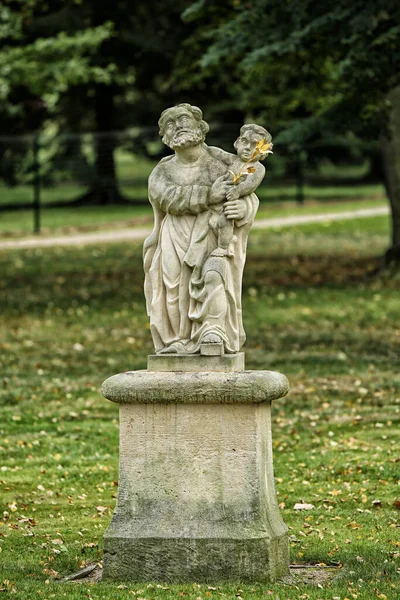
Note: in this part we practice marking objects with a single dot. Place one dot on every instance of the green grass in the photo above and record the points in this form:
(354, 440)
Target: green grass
(135, 189)
(289, 209)
(132, 174)
(71, 220)
(271, 191)
(72, 317)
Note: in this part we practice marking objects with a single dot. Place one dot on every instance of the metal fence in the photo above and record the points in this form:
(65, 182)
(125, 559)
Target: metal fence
(53, 170)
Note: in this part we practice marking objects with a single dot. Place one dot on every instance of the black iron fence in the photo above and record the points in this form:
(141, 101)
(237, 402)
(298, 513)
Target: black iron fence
(52, 170)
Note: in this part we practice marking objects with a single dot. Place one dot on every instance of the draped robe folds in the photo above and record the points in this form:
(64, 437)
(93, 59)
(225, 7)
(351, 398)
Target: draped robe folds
(180, 303)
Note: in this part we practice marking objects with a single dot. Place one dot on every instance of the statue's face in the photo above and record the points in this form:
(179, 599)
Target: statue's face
(246, 144)
(182, 130)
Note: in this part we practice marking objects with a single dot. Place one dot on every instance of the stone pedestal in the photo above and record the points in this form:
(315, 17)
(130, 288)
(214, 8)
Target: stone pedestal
(196, 499)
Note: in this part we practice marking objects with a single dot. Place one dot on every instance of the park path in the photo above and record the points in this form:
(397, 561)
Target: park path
(138, 234)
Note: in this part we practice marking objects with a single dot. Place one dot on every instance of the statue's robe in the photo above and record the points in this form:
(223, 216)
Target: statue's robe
(177, 257)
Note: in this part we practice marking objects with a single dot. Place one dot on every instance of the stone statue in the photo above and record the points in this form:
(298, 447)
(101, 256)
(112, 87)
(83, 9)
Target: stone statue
(204, 205)
(196, 495)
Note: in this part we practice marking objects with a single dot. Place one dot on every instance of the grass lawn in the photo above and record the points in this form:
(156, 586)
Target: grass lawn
(132, 172)
(69, 220)
(83, 218)
(70, 317)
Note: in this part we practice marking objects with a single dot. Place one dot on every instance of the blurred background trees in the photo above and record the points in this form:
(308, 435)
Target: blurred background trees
(36, 71)
(319, 73)
(324, 79)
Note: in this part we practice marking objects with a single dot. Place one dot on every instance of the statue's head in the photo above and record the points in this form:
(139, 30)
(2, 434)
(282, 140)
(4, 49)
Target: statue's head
(182, 126)
(250, 135)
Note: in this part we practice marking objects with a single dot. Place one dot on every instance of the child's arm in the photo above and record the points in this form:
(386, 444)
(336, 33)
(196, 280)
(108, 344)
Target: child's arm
(219, 154)
(249, 184)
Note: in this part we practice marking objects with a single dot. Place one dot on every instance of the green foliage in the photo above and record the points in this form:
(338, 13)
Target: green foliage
(305, 59)
(86, 68)
(307, 70)
(10, 24)
(47, 66)
(37, 67)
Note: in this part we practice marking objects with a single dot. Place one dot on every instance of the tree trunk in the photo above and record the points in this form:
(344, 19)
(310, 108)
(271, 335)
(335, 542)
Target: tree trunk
(391, 162)
(106, 176)
(104, 189)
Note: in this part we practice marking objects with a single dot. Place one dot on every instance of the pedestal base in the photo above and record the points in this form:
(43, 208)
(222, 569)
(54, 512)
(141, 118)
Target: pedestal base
(191, 560)
(196, 498)
(196, 363)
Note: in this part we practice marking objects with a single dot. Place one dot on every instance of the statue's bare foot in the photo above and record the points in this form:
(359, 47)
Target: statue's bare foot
(212, 338)
(219, 252)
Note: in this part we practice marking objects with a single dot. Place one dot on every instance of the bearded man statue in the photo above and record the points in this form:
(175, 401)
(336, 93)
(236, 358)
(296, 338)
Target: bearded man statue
(193, 295)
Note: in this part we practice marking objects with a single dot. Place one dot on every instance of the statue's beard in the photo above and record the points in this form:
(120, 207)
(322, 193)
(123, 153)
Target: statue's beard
(186, 139)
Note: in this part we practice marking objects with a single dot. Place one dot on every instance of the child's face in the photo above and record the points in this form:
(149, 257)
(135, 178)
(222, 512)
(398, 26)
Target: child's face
(246, 145)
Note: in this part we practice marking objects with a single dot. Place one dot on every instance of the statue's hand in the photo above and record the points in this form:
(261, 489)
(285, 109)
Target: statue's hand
(218, 190)
(235, 209)
(232, 193)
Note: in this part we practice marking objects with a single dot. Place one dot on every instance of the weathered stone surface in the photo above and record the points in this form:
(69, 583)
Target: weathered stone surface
(196, 498)
(204, 560)
(210, 387)
(195, 362)
(212, 349)
(204, 205)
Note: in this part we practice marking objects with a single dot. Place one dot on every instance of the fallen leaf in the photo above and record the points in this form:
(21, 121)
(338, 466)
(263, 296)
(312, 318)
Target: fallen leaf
(377, 503)
(303, 506)
(354, 525)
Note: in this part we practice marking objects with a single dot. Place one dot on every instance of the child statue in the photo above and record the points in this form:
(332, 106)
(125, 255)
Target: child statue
(247, 172)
